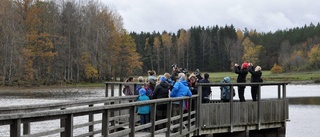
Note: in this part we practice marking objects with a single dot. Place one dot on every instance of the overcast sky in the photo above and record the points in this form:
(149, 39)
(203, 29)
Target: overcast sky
(172, 15)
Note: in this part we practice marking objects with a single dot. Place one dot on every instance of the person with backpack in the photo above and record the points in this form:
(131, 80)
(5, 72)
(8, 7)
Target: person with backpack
(255, 78)
(128, 88)
(226, 90)
(242, 74)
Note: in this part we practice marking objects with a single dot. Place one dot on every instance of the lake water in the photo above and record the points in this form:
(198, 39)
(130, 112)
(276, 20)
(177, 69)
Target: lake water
(304, 118)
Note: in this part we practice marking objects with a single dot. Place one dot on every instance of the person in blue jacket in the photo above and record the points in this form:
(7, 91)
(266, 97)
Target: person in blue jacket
(143, 111)
(180, 89)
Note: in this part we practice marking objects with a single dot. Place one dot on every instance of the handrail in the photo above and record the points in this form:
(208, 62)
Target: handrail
(17, 118)
(211, 84)
(48, 106)
(58, 105)
(90, 109)
(244, 84)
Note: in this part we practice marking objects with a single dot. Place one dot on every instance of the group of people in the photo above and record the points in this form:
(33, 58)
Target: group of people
(176, 84)
(181, 84)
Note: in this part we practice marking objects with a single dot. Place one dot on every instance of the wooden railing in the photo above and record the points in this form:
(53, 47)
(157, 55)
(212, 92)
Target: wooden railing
(221, 117)
(116, 115)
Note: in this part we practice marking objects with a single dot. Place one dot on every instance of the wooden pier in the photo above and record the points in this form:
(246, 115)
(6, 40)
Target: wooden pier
(115, 115)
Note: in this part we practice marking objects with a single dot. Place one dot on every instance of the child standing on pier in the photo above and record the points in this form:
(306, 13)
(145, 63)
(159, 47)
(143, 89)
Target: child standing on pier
(144, 111)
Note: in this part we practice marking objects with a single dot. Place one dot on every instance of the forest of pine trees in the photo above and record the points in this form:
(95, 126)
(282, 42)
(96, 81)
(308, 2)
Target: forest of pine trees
(216, 49)
(64, 41)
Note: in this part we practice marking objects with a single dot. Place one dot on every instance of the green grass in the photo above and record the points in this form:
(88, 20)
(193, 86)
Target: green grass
(313, 76)
(310, 76)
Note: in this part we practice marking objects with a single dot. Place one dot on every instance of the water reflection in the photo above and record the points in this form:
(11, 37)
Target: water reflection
(304, 121)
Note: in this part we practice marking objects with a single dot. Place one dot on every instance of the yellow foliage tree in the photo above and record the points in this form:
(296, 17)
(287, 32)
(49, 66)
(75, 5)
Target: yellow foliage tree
(240, 34)
(38, 42)
(314, 56)
(251, 51)
(276, 69)
(298, 60)
(89, 70)
(28, 72)
(127, 59)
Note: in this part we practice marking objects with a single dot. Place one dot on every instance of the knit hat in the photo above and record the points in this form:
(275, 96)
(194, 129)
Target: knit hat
(244, 65)
(142, 91)
(163, 79)
(192, 75)
(226, 79)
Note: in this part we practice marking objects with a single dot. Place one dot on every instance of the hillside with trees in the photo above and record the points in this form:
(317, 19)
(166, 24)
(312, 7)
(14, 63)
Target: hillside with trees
(216, 49)
(64, 41)
(53, 42)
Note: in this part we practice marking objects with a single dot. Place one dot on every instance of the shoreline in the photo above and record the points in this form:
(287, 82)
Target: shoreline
(48, 91)
(72, 90)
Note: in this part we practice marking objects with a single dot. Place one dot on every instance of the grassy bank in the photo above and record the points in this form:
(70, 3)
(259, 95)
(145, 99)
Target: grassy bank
(267, 76)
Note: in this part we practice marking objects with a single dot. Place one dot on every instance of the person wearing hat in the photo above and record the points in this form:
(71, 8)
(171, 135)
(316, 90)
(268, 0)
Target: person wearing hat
(161, 91)
(226, 90)
(143, 111)
(242, 74)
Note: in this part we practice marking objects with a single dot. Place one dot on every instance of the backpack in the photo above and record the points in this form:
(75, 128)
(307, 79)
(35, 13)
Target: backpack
(138, 87)
(225, 90)
(126, 91)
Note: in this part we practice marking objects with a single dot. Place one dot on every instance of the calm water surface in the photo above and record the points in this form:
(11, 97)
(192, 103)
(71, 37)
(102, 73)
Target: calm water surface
(304, 118)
